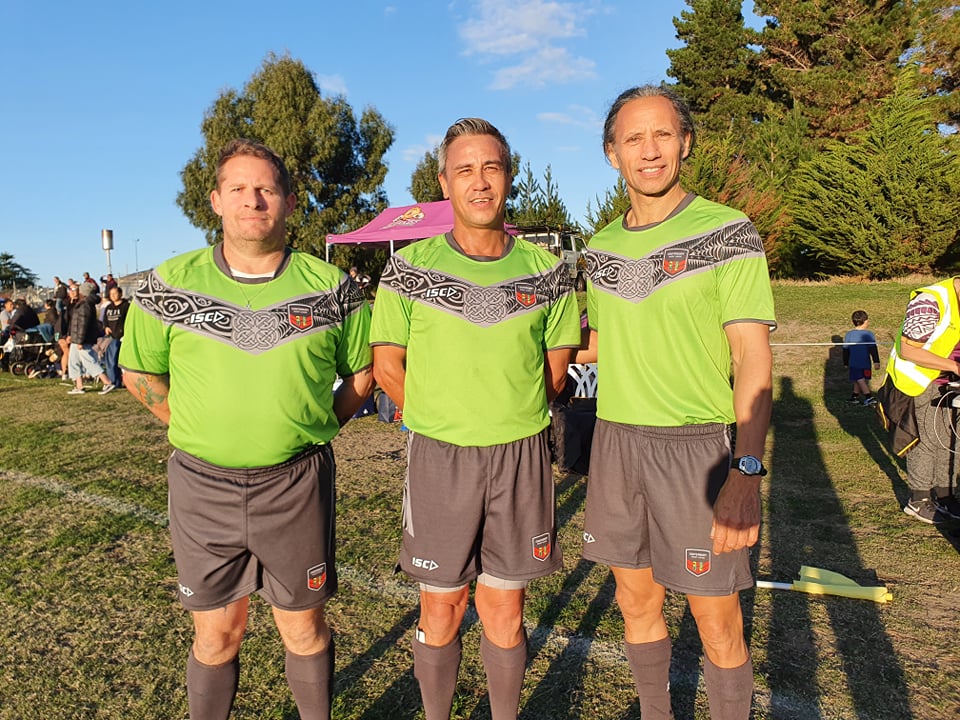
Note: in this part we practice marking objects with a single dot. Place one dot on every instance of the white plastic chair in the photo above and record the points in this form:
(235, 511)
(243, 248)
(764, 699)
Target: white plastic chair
(586, 378)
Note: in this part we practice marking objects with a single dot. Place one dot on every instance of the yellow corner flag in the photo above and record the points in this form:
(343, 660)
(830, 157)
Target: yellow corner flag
(815, 581)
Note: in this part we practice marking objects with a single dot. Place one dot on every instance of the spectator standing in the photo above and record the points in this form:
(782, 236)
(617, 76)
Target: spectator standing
(924, 358)
(679, 295)
(84, 331)
(472, 333)
(859, 348)
(59, 293)
(114, 317)
(211, 334)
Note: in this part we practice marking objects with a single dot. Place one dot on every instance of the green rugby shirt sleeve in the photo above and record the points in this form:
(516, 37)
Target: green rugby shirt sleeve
(146, 343)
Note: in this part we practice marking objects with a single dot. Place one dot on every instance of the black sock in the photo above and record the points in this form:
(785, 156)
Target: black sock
(310, 678)
(729, 690)
(650, 665)
(211, 688)
(505, 668)
(436, 671)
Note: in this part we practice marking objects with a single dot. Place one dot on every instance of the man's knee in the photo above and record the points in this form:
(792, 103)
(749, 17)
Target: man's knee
(441, 614)
(218, 633)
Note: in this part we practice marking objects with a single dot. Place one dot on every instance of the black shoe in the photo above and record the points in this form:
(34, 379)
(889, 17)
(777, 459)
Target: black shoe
(854, 399)
(925, 511)
(948, 506)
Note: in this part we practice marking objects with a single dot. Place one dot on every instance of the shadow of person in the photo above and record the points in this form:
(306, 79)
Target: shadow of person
(807, 526)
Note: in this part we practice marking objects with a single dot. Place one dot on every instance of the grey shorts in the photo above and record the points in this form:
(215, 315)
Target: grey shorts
(650, 495)
(268, 530)
(473, 510)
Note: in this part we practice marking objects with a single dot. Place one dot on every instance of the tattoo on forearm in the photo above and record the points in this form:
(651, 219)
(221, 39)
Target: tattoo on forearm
(147, 392)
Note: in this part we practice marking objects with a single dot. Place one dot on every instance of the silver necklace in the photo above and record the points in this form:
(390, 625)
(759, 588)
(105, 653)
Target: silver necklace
(263, 286)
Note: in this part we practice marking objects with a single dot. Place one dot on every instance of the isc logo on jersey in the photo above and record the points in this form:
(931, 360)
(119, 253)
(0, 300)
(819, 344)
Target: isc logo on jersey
(424, 563)
(441, 292)
(213, 317)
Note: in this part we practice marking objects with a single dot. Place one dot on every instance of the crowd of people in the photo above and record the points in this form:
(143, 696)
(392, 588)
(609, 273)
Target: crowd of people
(84, 320)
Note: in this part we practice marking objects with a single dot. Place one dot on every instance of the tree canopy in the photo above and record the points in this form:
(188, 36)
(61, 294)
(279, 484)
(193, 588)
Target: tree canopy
(334, 158)
(424, 186)
(884, 206)
(535, 204)
(14, 274)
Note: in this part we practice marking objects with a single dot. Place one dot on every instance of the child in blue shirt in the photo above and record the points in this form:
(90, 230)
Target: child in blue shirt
(859, 347)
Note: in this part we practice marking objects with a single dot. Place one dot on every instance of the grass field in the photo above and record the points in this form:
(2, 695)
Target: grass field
(90, 626)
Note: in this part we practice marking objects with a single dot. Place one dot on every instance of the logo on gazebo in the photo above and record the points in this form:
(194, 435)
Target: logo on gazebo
(409, 217)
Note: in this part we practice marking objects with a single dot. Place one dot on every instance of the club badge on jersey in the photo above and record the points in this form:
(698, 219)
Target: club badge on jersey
(541, 547)
(317, 577)
(698, 561)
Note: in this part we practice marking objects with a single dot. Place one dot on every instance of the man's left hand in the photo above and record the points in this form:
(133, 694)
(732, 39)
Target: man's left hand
(736, 513)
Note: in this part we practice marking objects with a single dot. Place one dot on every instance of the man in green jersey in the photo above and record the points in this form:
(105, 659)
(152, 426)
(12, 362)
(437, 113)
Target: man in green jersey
(472, 333)
(679, 295)
(236, 348)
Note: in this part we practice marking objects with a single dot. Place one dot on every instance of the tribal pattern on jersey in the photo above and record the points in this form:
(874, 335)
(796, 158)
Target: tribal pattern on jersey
(477, 304)
(252, 331)
(635, 279)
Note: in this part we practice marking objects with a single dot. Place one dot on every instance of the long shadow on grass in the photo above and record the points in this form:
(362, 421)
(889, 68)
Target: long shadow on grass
(401, 700)
(862, 424)
(807, 526)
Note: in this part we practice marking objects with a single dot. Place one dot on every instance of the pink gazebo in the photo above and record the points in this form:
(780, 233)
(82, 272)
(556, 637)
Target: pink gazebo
(399, 226)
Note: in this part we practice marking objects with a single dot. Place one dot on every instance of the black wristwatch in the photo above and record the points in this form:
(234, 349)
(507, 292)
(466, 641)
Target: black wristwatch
(749, 465)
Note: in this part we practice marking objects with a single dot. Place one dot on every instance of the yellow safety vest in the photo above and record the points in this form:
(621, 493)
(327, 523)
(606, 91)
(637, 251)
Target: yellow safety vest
(909, 377)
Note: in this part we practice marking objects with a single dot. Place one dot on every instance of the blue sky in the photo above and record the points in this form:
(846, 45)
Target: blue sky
(103, 101)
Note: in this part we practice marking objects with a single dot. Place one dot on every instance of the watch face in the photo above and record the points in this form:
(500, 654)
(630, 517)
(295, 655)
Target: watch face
(749, 465)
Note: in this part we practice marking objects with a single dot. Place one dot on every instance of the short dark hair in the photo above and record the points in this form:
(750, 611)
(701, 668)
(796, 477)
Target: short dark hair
(473, 126)
(645, 91)
(859, 317)
(244, 146)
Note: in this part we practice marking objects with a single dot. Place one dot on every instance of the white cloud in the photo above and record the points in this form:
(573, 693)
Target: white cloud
(414, 153)
(532, 32)
(332, 84)
(577, 115)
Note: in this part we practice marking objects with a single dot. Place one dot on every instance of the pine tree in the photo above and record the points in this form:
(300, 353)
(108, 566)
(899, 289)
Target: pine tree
(716, 71)
(882, 207)
(938, 56)
(833, 60)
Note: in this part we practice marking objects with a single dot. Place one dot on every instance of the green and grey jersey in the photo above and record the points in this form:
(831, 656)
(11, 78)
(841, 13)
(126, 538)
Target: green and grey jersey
(475, 332)
(251, 366)
(659, 298)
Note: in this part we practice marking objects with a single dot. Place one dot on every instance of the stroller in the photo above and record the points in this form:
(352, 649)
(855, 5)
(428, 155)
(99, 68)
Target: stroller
(28, 353)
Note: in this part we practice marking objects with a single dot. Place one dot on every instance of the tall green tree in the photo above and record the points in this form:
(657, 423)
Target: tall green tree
(717, 72)
(833, 60)
(534, 204)
(938, 56)
(334, 158)
(424, 186)
(13, 274)
(882, 207)
(719, 170)
(615, 203)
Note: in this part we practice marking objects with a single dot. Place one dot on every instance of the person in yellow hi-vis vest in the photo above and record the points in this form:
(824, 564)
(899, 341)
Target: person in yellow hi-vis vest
(923, 360)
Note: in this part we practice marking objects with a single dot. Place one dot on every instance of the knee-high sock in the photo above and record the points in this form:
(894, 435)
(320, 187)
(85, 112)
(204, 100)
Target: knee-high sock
(650, 665)
(211, 688)
(729, 690)
(436, 670)
(505, 668)
(310, 678)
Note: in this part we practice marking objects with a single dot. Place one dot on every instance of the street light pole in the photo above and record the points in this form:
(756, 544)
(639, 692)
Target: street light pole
(136, 255)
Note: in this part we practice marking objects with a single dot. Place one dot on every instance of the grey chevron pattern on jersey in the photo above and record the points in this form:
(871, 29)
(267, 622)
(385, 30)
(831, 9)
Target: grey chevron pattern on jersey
(634, 279)
(477, 304)
(252, 331)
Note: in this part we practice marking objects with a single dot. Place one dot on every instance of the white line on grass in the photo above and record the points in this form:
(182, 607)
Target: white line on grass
(70, 493)
(547, 639)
